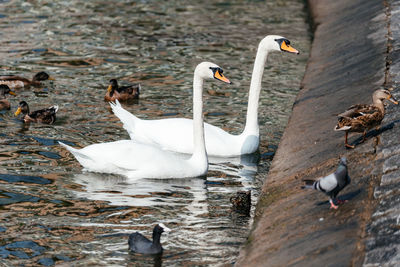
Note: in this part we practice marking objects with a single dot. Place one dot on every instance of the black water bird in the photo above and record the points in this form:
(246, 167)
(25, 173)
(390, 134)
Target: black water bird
(140, 244)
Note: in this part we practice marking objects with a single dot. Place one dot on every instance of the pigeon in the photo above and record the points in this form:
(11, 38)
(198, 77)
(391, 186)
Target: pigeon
(140, 244)
(332, 184)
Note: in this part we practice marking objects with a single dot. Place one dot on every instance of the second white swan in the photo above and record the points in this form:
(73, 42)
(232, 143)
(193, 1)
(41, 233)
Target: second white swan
(175, 134)
(136, 160)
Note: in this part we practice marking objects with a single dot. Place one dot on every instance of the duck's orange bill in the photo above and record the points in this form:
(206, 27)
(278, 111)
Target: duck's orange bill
(11, 93)
(51, 78)
(394, 101)
(18, 111)
(288, 48)
(221, 77)
(109, 88)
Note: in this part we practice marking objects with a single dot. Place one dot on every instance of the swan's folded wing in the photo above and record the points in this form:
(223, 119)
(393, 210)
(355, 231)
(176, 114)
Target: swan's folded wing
(128, 119)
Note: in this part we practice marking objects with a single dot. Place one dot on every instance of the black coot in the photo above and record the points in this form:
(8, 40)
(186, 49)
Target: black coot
(140, 244)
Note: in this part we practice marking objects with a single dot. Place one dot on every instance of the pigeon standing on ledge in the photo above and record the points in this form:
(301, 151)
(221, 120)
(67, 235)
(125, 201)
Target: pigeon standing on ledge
(332, 184)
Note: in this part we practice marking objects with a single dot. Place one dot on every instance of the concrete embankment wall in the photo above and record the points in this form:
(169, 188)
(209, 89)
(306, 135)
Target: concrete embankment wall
(353, 54)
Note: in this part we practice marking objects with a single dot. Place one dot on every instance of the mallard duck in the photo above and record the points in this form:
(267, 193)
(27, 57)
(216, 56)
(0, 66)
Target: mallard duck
(361, 118)
(18, 82)
(123, 93)
(4, 89)
(46, 115)
(219, 143)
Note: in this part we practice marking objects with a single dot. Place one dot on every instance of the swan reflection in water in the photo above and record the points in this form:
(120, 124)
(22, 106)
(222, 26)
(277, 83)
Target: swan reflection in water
(120, 191)
(244, 167)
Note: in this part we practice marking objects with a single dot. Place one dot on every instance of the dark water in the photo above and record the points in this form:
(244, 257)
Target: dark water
(50, 211)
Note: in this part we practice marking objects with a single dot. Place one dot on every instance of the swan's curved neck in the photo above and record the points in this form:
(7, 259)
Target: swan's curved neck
(199, 149)
(254, 92)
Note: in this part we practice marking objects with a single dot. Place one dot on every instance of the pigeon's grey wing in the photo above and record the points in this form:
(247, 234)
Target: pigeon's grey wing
(328, 183)
(348, 179)
(341, 175)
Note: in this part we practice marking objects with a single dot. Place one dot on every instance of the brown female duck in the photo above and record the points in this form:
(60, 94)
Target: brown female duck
(4, 104)
(360, 118)
(123, 93)
(18, 82)
(47, 115)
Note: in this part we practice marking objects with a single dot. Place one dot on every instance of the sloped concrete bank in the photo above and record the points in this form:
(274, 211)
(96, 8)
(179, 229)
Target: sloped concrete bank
(355, 51)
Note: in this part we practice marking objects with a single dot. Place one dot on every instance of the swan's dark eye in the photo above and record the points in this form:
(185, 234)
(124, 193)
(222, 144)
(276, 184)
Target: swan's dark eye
(279, 41)
(213, 69)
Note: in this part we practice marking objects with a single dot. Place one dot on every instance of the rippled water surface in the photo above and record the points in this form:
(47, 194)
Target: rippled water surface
(50, 211)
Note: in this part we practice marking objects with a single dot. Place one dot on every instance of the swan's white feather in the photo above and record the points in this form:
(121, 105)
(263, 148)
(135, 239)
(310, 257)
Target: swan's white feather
(175, 134)
(135, 160)
(138, 160)
(179, 133)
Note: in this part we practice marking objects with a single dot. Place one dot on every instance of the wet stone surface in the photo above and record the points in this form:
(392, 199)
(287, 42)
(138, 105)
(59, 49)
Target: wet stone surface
(293, 228)
(383, 232)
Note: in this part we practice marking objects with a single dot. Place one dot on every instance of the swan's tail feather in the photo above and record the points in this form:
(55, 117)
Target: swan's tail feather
(74, 151)
(69, 148)
(128, 119)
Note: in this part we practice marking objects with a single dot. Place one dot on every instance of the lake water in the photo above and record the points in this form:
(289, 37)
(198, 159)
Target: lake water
(53, 213)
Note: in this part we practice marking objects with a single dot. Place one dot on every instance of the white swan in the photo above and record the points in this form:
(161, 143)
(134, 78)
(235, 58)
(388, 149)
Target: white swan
(175, 134)
(136, 160)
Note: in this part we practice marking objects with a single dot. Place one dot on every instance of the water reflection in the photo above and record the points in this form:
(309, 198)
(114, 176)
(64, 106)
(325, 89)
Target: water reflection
(19, 249)
(120, 191)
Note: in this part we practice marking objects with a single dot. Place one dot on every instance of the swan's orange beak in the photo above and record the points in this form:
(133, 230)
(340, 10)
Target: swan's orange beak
(51, 78)
(287, 48)
(109, 88)
(11, 93)
(221, 77)
(18, 111)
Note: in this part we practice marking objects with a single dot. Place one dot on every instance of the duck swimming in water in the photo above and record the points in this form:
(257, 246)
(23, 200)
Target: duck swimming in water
(361, 118)
(14, 81)
(4, 104)
(123, 93)
(46, 115)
